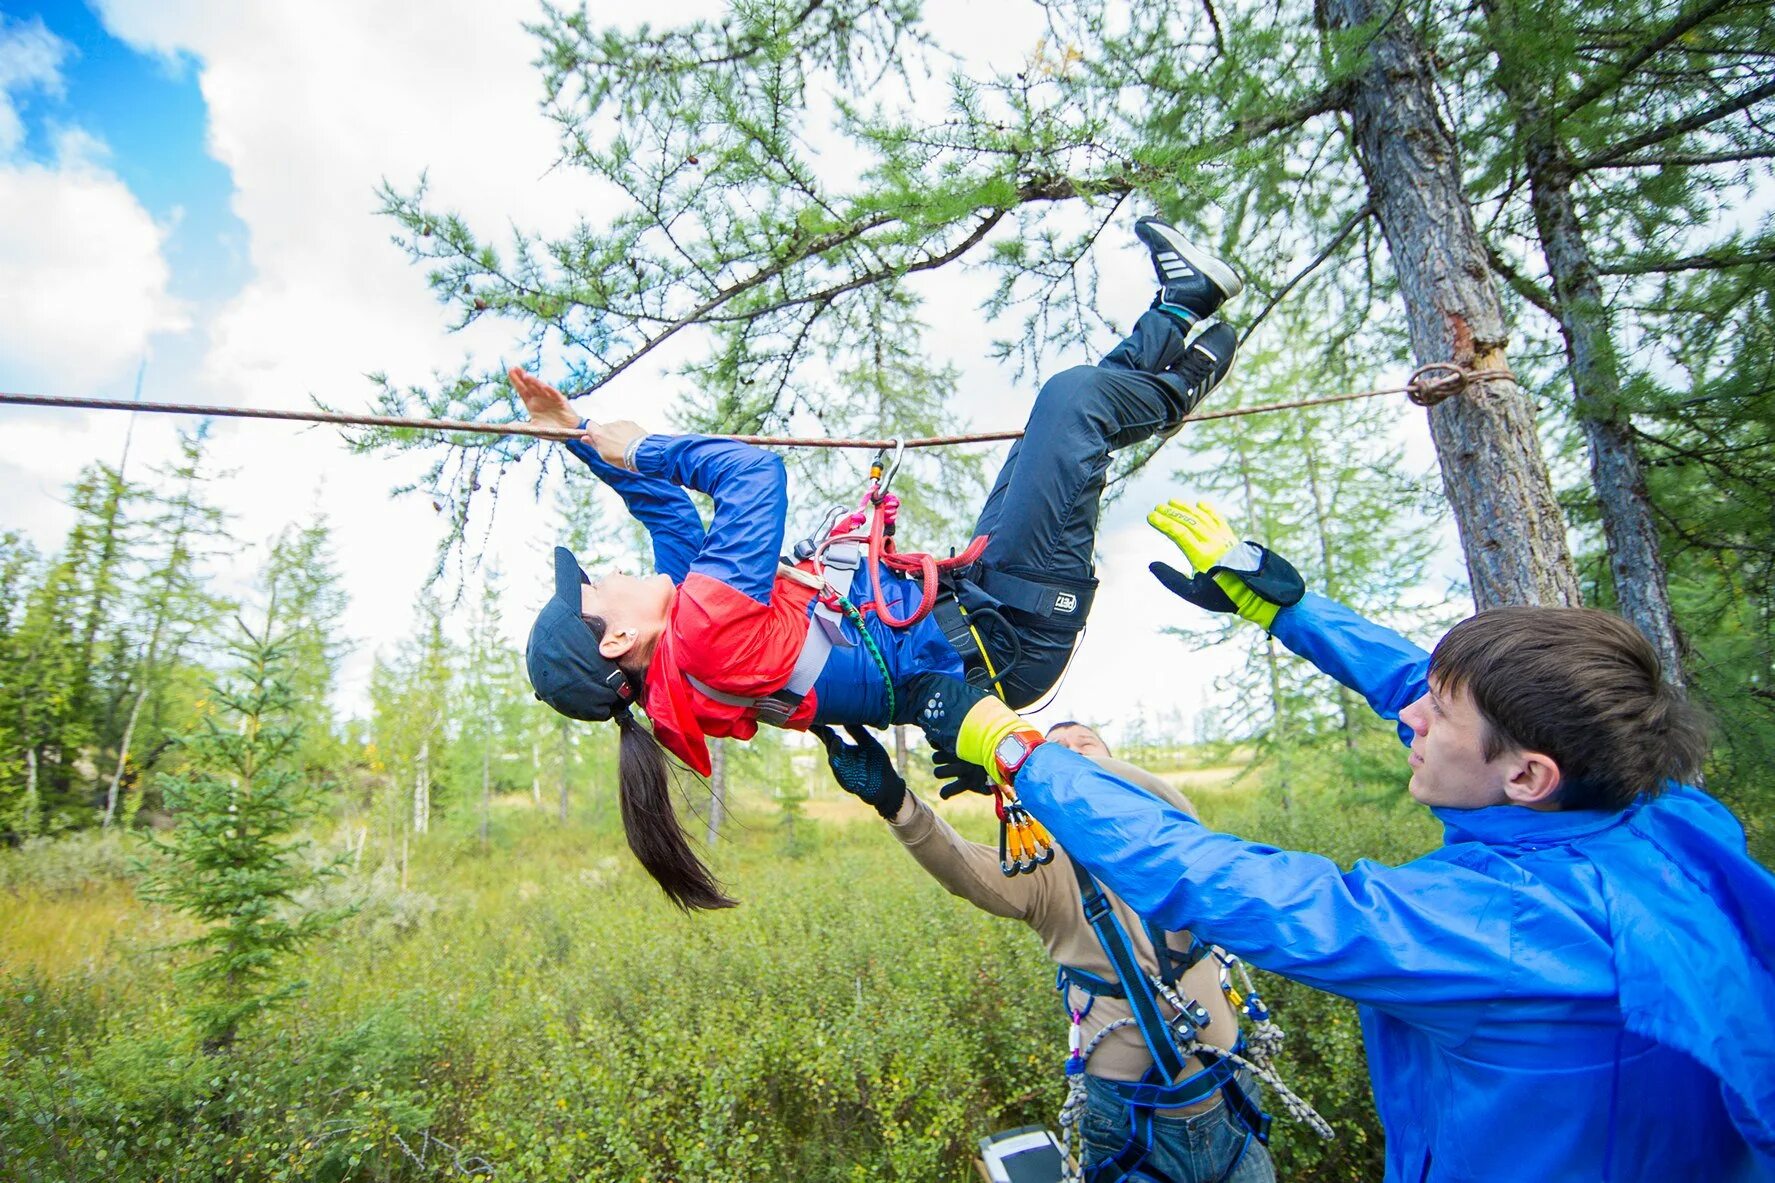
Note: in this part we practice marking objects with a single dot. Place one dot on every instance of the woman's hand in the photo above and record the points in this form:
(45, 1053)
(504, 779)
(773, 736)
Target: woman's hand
(614, 439)
(546, 406)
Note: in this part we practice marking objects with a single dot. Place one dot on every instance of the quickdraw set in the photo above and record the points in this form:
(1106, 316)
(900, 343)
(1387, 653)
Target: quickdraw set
(1023, 845)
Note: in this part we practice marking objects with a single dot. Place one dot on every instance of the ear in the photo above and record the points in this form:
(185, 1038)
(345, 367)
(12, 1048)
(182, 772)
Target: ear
(1534, 781)
(617, 642)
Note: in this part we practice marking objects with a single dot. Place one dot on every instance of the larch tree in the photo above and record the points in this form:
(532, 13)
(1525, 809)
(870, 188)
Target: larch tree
(764, 198)
(1634, 132)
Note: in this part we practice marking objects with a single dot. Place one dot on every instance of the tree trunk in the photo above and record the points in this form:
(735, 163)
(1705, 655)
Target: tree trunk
(1511, 528)
(536, 773)
(129, 728)
(717, 788)
(486, 789)
(566, 767)
(422, 789)
(1279, 737)
(1635, 563)
(902, 750)
(29, 821)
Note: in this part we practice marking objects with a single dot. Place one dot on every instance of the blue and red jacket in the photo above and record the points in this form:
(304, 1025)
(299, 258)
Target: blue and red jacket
(736, 624)
(1576, 995)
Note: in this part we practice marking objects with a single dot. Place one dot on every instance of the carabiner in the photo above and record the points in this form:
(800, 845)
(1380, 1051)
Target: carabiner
(882, 470)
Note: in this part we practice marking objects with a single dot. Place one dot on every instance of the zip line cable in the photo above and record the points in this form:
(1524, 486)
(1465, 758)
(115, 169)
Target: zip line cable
(1427, 386)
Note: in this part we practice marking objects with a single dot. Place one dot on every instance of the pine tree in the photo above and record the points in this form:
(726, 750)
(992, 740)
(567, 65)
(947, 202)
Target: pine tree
(171, 609)
(302, 583)
(234, 863)
(1627, 133)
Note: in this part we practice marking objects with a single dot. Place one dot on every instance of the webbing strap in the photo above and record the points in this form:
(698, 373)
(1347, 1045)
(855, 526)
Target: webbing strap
(1141, 1000)
(824, 632)
(1061, 604)
(1172, 964)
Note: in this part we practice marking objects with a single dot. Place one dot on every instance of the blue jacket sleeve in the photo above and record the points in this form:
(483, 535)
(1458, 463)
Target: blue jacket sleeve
(1409, 940)
(662, 507)
(1379, 664)
(751, 492)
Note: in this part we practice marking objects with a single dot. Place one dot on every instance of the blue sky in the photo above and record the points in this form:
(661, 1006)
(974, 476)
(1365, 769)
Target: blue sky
(149, 112)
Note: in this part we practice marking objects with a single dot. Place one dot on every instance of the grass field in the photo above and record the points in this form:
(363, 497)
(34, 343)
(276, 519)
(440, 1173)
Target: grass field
(534, 1008)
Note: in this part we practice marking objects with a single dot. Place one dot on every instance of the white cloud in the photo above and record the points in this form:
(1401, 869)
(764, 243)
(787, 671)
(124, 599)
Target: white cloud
(310, 107)
(30, 59)
(83, 282)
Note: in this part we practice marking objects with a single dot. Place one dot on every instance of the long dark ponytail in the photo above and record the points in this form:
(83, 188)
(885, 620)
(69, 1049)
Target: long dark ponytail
(651, 823)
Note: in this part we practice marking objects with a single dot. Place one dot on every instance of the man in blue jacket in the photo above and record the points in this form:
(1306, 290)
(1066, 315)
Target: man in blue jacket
(1576, 986)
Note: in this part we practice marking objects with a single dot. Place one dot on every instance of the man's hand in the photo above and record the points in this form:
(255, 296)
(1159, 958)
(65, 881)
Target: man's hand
(1231, 576)
(546, 406)
(864, 770)
(957, 775)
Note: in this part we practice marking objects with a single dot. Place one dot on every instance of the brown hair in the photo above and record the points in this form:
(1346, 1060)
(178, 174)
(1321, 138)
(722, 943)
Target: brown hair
(649, 821)
(1581, 686)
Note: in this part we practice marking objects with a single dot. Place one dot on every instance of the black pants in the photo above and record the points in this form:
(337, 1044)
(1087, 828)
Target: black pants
(1042, 511)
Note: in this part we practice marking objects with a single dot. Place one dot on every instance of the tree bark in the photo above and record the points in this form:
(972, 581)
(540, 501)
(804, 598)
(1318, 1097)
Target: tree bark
(1511, 528)
(536, 773)
(486, 789)
(422, 789)
(566, 768)
(1635, 561)
(29, 821)
(129, 729)
(717, 788)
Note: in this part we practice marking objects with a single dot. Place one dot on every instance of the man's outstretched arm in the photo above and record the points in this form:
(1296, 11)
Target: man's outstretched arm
(1246, 579)
(1388, 670)
(1405, 939)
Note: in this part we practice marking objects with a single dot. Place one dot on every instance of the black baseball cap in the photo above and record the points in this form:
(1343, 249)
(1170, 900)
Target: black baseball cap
(566, 669)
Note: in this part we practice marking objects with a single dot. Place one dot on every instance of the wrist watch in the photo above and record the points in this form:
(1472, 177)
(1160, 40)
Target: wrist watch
(1011, 751)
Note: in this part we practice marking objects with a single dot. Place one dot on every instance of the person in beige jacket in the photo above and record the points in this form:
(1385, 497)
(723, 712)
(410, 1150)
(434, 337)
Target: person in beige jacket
(1216, 1134)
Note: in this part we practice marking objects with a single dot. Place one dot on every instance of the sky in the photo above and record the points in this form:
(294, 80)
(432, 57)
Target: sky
(187, 201)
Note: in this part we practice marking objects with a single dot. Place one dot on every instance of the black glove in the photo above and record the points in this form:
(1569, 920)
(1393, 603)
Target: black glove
(1275, 581)
(864, 769)
(940, 703)
(958, 775)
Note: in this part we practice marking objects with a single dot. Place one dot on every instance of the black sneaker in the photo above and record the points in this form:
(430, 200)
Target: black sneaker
(1192, 282)
(1205, 364)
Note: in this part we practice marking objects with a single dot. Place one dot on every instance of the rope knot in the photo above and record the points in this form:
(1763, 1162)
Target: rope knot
(1440, 381)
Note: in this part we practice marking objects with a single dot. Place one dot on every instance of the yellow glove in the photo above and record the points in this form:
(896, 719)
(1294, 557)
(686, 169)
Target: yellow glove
(996, 738)
(1231, 575)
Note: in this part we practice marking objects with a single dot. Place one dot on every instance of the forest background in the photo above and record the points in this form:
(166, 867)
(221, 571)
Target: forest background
(432, 958)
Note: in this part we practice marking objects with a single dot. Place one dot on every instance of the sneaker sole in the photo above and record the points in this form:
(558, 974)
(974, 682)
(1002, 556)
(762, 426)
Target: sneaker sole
(1161, 235)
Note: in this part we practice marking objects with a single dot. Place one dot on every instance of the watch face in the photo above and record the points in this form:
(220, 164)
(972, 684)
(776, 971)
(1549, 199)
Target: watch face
(1010, 751)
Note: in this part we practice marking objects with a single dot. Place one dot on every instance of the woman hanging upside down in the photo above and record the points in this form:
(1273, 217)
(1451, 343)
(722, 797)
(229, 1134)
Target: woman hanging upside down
(726, 636)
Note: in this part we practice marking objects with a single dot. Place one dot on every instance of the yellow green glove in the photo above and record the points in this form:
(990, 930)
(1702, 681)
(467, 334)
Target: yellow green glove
(986, 726)
(1231, 575)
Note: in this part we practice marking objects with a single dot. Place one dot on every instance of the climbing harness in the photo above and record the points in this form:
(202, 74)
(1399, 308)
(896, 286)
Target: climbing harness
(1170, 1043)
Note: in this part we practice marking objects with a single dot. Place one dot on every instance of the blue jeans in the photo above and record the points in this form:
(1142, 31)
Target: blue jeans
(1042, 511)
(1211, 1147)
